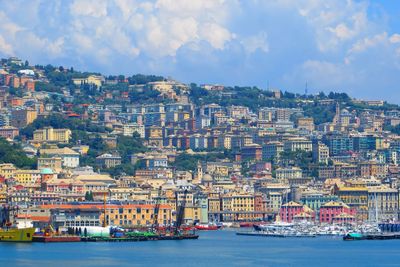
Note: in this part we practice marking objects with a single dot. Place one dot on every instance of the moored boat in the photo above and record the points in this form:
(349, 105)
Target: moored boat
(56, 238)
(16, 234)
(207, 227)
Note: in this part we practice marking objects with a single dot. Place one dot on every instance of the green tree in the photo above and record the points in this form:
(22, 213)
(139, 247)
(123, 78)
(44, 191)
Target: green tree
(13, 153)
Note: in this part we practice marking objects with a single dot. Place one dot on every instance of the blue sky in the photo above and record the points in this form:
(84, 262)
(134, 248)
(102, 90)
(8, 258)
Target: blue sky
(339, 45)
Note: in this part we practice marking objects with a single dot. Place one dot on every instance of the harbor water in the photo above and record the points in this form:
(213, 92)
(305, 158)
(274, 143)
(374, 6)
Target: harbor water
(214, 248)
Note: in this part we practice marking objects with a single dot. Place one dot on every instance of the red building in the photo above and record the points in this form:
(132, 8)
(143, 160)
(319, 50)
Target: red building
(251, 152)
(30, 86)
(292, 211)
(259, 202)
(336, 212)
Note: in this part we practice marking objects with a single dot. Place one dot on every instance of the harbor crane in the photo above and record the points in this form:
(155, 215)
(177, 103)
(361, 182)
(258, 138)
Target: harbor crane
(181, 211)
(154, 226)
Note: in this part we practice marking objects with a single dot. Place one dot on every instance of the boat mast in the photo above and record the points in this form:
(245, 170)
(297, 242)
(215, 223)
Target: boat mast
(376, 209)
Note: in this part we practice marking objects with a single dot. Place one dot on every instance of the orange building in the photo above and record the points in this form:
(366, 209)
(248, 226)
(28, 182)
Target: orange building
(30, 86)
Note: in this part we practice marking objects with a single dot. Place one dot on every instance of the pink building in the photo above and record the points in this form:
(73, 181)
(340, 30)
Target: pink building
(336, 212)
(295, 211)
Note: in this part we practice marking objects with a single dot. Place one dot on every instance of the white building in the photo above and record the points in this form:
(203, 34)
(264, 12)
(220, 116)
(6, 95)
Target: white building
(70, 158)
(130, 128)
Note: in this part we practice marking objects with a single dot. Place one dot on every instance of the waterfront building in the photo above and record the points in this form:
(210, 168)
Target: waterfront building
(292, 210)
(315, 200)
(274, 201)
(383, 203)
(239, 207)
(333, 211)
(355, 197)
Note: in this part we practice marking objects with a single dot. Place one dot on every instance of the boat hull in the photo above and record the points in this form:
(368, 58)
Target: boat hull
(51, 239)
(16, 235)
(206, 227)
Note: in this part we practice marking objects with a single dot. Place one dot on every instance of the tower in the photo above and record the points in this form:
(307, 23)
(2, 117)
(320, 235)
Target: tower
(199, 172)
(336, 119)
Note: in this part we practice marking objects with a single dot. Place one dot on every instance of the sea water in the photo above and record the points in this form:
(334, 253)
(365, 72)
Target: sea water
(213, 248)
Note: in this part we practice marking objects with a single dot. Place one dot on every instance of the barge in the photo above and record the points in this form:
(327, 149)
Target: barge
(378, 236)
(54, 239)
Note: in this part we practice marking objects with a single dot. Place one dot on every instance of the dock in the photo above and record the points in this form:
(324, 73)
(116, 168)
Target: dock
(138, 238)
(273, 234)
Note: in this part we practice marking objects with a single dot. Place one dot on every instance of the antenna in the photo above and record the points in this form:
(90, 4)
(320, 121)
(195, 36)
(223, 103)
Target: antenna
(306, 89)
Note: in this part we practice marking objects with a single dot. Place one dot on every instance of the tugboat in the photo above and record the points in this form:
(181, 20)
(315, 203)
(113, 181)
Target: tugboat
(353, 236)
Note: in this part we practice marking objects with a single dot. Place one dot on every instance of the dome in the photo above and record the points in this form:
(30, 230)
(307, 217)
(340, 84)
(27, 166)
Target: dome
(46, 171)
(207, 177)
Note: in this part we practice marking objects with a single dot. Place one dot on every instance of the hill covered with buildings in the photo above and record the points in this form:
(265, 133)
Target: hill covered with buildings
(241, 152)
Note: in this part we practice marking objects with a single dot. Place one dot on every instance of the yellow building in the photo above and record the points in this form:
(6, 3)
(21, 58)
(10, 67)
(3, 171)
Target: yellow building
(306, 123)
(240, 205)
(22, 117)
(48, 134)
(137, 215)
(3, 196)
(217, 169)
(214, 202)
(356, 197)
(192, 214)
(154, 132)
(27, 177)
(92, 79)
(7, 170)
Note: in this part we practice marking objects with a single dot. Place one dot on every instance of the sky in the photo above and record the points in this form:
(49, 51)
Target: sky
(330, 45)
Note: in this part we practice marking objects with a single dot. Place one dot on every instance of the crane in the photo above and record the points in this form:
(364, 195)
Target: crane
(154, 226)
(181, 211)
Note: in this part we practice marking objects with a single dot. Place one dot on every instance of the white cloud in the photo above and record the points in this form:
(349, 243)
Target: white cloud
(395, 38)
(368, 42)
(259, 41)
(215, 34)
(5, 47)
(8, 27)
(311, 40)
(334, 22)
(92, 8)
